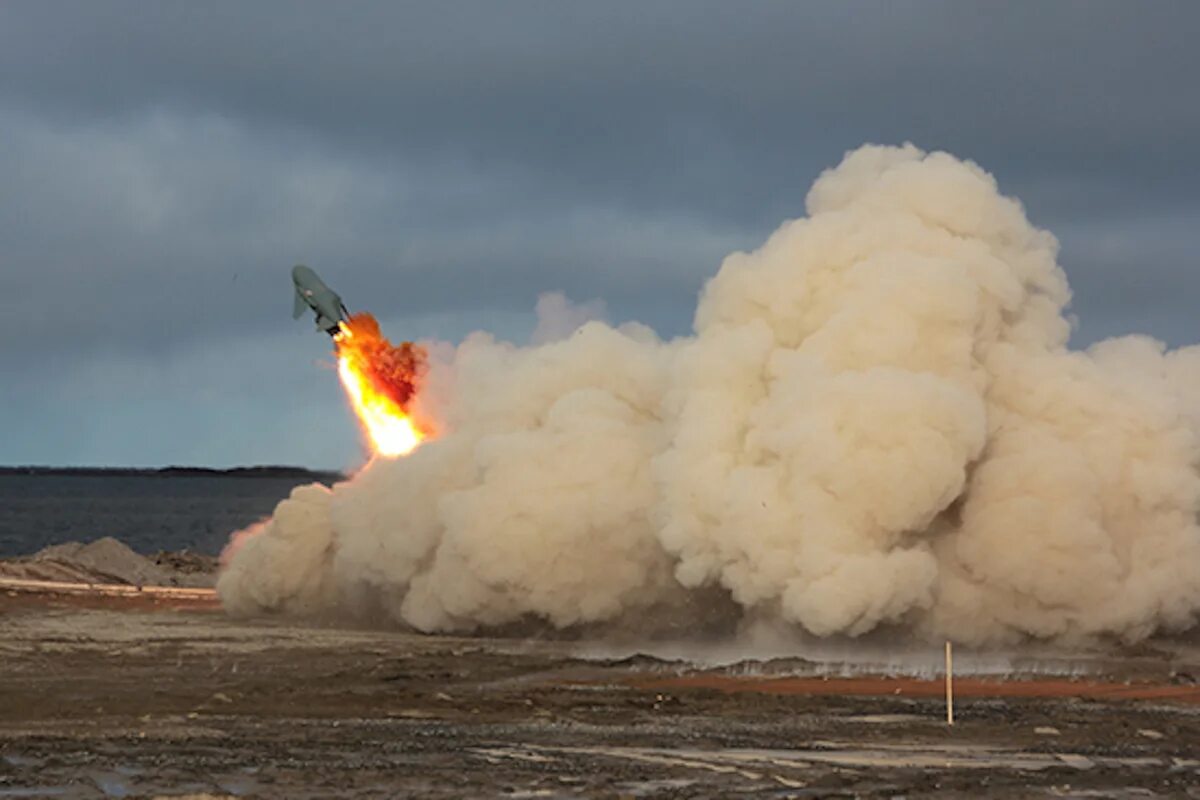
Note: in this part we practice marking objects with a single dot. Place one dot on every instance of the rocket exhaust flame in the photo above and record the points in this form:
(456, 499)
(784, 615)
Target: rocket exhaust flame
(381, 380)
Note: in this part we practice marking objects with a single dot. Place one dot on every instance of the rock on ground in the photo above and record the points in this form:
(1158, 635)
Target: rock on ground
(109, 560)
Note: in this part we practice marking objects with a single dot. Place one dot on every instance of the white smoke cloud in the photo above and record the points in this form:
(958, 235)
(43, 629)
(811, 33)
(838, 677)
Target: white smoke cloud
(558, 317)
(876, 423)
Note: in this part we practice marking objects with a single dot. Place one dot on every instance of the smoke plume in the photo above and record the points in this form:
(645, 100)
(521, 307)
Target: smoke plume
(877, 422)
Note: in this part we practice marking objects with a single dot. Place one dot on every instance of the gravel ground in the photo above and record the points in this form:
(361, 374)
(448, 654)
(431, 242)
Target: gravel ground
(110, 700)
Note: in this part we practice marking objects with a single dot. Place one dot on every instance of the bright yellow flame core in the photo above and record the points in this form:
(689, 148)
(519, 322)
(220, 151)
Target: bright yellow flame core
(390, 430)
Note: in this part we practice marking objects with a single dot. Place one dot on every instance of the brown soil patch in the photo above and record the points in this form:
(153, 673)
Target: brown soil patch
(59, 594)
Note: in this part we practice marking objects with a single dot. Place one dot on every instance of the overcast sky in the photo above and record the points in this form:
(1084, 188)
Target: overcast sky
(163, 165)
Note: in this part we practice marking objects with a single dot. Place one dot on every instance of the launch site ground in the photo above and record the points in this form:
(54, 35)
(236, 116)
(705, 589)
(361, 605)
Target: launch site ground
(143, 696)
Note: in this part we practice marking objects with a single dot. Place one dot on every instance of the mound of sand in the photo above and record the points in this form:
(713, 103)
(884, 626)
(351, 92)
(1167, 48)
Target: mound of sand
(109, 560)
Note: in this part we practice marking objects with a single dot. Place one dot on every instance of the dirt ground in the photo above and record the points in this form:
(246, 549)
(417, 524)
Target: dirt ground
(121, 698)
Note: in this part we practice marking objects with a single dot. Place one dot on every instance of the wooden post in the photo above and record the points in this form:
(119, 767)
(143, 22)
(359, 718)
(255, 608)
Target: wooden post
(949, 684)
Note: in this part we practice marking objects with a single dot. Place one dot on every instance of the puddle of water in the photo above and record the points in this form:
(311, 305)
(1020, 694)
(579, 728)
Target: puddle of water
(238, 787)
(112, 784)
(654, 788)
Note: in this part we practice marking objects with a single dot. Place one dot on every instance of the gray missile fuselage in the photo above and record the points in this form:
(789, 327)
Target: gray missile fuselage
(313, 294)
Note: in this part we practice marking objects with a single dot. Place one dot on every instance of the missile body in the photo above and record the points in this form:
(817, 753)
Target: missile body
(312, 293)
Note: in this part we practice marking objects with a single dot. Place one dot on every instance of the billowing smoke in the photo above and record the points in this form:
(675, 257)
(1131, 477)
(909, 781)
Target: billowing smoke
(876, 423)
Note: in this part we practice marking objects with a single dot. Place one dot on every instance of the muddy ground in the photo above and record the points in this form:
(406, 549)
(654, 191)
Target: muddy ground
(110, 699)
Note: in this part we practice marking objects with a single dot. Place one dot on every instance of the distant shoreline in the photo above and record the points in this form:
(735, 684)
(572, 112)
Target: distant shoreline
(179, 472)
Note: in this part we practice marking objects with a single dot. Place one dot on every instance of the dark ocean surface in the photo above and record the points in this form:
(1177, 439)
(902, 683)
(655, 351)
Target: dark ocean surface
(148, 512)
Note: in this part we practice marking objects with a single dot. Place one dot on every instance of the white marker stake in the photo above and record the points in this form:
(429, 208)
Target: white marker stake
(949, 685)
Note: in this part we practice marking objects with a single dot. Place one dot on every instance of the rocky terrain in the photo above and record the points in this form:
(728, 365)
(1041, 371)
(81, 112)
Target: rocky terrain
(111, 699)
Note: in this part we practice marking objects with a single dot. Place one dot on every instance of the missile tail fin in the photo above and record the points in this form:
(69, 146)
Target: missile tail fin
(298, 305)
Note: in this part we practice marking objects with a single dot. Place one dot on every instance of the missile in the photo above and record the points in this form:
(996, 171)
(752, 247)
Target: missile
(313, 294)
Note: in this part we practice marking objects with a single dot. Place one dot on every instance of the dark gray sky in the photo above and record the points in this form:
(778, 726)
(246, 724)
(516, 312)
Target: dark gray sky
(163, 164)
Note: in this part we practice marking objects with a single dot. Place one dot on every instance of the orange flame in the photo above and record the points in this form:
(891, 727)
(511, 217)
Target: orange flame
(381, 380)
